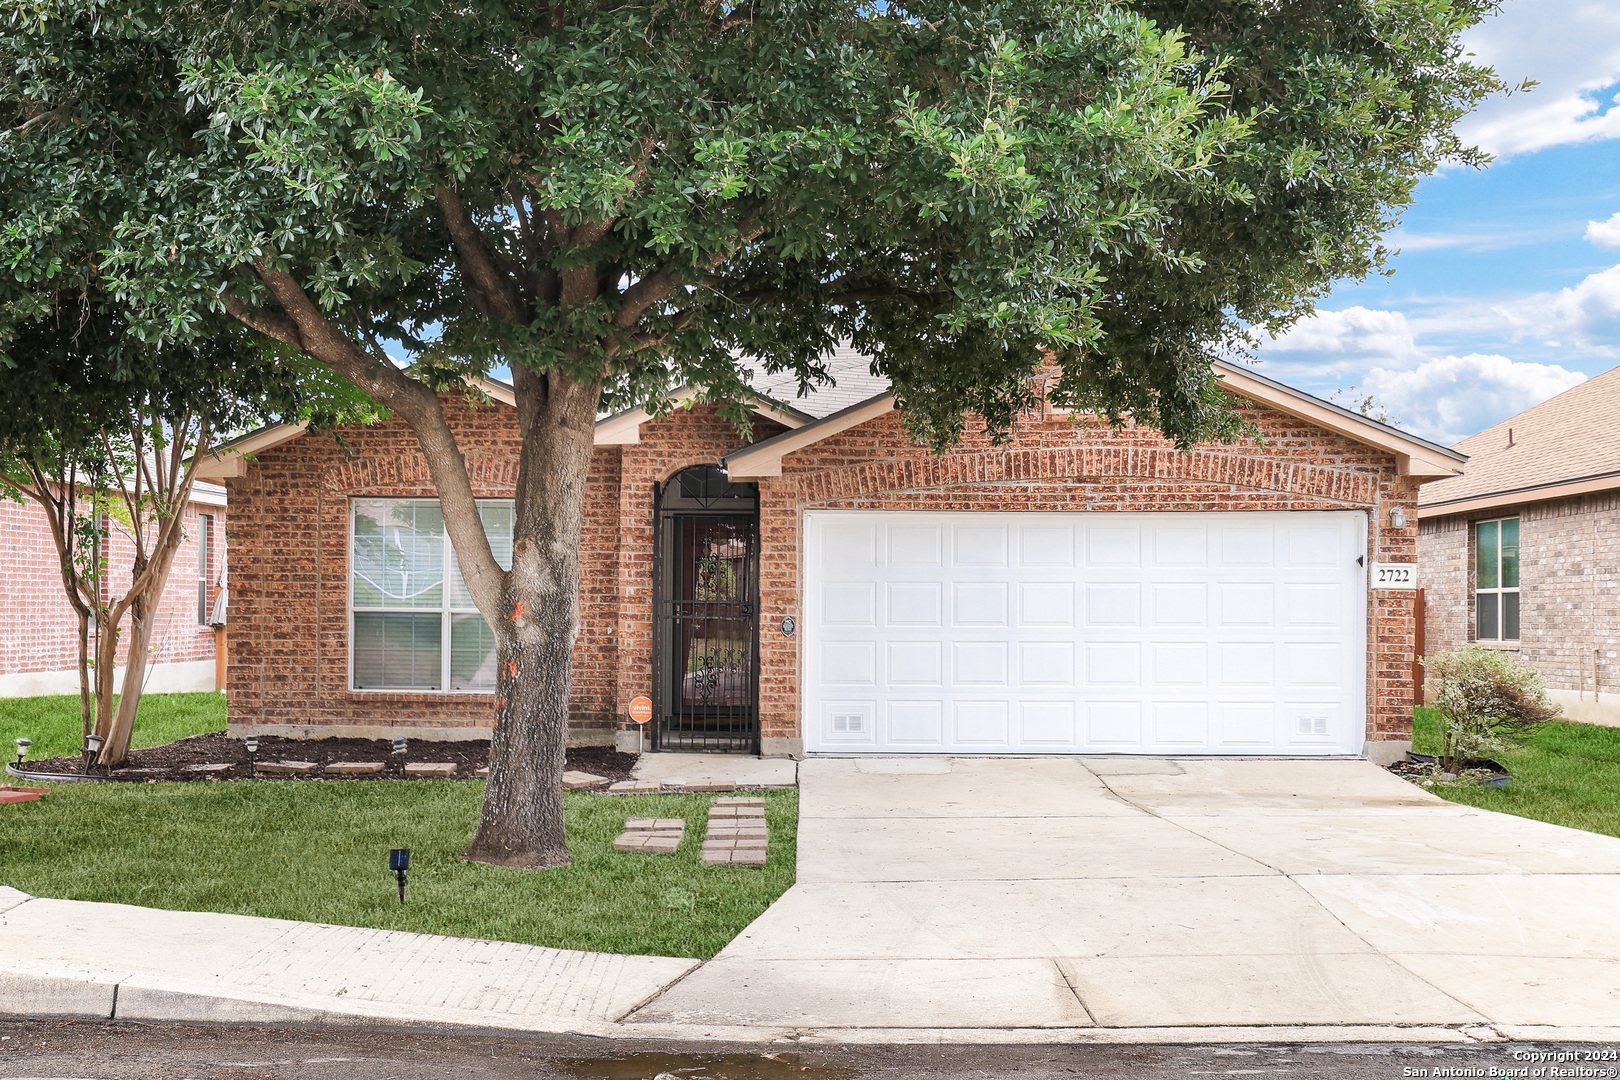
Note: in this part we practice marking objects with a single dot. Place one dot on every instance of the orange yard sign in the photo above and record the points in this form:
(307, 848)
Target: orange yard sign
(641, 709)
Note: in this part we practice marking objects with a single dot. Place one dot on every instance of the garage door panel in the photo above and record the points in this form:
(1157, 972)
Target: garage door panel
(1113, 605)
(1046, 603)
(1113, 663)
(1046, 546)
(1083, 633)
(916, 603)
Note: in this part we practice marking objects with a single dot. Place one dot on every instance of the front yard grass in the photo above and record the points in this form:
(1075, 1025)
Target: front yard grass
(53, 722)
(318, 852)
(1568, 775)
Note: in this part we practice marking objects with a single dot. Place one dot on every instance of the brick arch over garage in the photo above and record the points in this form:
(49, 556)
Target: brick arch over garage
(407, 474)
(1237, 468)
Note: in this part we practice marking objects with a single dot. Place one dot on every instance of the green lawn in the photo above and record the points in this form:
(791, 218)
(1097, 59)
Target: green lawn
(319, 852)
(1569, 775)
(53, 722)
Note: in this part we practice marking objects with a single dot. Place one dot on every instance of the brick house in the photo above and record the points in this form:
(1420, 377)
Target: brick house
(1523, 552)
(828, 586)
(39, 630)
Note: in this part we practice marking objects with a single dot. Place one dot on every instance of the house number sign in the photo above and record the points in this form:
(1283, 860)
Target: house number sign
(1394, 575)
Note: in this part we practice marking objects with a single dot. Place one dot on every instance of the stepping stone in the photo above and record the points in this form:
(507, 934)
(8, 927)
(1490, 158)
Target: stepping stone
(354, 768)
(636, 787)
(481, 772)
(737, 833)
(430, 768)
(216, 767)
(574, 780)
(651, 836)
(287, 766)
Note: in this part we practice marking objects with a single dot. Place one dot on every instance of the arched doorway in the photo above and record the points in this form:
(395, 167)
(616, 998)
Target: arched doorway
(706, 613)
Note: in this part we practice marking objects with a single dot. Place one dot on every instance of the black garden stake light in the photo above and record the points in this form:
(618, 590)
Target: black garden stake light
(400, 746)
(252, 744)
(399, 861)
(22, 749)
(92, 747)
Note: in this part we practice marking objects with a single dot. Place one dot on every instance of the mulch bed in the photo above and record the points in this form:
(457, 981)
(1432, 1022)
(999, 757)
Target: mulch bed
(169, 762)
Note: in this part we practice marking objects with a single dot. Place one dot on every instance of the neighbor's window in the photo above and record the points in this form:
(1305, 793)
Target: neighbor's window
(205, 544)
(1496, 580)
(414, 625)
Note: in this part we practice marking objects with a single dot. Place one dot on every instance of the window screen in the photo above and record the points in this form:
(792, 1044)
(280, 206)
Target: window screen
(1496, 580)
(408, 598)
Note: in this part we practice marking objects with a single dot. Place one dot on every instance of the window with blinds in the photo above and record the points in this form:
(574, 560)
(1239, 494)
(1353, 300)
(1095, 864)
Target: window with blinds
(413, 623)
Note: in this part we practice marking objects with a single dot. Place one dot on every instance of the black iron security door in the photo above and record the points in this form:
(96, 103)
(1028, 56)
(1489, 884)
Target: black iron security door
(706, 614)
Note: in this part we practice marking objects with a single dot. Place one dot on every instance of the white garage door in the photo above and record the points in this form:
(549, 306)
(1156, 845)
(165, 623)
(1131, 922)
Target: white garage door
(1032, 633)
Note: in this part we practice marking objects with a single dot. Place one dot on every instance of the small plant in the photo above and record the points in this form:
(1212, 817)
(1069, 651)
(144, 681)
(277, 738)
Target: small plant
(1489, 703)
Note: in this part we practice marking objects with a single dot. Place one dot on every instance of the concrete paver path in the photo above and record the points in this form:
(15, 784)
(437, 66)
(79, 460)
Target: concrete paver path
(1088, 894)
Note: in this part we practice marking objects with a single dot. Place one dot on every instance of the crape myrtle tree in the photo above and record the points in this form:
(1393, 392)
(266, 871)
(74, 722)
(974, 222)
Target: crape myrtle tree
(104, 432)
(615, 199)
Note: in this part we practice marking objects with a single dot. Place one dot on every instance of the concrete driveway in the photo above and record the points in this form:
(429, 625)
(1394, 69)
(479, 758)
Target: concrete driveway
(1141, 893)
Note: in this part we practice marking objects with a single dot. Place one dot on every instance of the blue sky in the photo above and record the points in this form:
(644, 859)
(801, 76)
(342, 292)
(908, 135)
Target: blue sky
(1507, 286)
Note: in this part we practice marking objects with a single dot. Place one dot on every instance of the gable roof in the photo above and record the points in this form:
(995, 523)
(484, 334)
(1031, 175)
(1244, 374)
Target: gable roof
(1413, 456)
(1567, 445)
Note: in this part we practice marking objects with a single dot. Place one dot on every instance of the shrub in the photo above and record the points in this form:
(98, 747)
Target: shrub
(1488, 702)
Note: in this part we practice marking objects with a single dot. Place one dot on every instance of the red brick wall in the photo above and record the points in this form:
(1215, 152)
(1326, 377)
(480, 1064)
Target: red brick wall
(290, 524)
(38, 628)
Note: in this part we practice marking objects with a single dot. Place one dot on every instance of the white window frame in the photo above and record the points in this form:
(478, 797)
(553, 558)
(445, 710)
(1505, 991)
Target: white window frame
(205, 550)
(445, 610)
(1500, 590)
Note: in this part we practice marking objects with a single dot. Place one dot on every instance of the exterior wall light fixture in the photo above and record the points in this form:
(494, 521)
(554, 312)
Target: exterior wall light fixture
(1397, 517)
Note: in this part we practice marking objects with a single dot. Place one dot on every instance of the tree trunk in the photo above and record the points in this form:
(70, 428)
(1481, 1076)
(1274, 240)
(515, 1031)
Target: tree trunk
(115, 750)
(86, 692)
(521, 822)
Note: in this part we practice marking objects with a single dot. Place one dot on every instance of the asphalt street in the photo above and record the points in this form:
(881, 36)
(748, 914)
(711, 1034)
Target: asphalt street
(104, 1051)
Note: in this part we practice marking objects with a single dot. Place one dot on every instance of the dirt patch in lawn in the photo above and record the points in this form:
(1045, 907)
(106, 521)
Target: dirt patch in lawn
(177, 760)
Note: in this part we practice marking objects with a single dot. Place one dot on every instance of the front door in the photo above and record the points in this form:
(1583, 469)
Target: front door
(706, 642)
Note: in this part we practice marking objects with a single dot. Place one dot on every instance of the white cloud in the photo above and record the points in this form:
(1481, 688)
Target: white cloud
(1604, 234)
(1354, 331)
(1451, 397)
(1572, 48)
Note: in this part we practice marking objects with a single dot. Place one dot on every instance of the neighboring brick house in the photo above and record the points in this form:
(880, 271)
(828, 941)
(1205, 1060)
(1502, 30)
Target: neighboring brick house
(39, 630)
(831, 587)
(1523, 552)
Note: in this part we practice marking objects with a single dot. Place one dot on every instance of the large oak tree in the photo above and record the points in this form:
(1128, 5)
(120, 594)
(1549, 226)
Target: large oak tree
(618, 198)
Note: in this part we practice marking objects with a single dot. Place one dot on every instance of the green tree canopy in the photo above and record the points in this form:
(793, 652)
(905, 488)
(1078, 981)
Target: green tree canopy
(620, 198)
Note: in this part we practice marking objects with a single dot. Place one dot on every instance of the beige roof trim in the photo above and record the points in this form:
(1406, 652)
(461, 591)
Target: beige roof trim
(1413, 456)
(1499, 499)
(764, 459)
(624, 429)
(231, 461)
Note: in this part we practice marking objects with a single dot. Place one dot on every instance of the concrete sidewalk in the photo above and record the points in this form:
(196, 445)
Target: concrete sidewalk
(976, 900)
(67, 958)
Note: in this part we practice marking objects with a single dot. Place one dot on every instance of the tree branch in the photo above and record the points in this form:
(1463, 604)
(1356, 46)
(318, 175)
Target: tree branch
(491, 291)
(421, 408)
(663, 281)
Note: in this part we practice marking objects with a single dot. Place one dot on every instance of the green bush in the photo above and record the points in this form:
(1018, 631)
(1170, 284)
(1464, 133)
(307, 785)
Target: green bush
(1488, 702)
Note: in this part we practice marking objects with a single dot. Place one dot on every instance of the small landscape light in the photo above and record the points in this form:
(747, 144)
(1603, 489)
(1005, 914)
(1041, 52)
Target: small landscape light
(400, 746)
(252, 744)
(92, 747)
(22, 749)
(399, 861)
